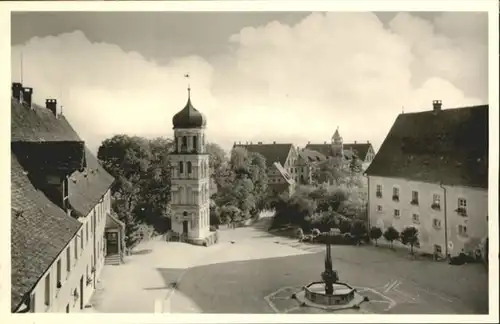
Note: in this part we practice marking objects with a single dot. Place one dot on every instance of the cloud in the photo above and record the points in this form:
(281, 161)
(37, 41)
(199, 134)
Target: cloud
(275, 82)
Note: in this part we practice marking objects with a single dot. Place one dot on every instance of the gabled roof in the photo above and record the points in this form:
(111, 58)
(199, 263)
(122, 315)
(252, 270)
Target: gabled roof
(88, 187)
(325, 149)
(271, 152)
(360, 149)
(39, 124)
(40, 231)
(450, 146)
(310, 156)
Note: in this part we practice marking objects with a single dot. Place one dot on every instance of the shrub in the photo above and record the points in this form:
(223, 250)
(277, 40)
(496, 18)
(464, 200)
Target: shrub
(358, 230)
(213, 228)
(409, 236)
(376, 234)
(391, 234)
(345, 225)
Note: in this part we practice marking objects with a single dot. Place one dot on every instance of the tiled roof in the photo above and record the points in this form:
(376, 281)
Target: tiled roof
(113, 222)
(325, 149)
(272, 152)
(450, 146)
(39, 124)
(311, 156)
(88, 187)
(40, 230)
(360, 149)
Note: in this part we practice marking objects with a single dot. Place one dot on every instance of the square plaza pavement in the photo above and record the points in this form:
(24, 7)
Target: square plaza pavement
(251, 271)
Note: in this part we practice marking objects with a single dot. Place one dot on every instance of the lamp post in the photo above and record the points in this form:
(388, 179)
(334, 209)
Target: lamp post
(329, 276)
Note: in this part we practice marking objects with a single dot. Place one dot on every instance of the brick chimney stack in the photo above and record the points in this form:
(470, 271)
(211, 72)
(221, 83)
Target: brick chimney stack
(27, 96)
(436, 105)
(51, 104)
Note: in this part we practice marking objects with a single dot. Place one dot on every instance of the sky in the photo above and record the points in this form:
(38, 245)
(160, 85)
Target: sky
(261, 76)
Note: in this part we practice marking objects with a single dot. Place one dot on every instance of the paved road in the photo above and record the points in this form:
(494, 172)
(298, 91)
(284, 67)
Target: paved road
(251, 271)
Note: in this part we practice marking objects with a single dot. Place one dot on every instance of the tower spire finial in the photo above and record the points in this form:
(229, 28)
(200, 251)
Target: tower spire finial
(189, 85)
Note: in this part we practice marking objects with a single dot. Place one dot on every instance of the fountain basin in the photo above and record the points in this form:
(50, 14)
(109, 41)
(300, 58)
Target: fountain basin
(343, 297)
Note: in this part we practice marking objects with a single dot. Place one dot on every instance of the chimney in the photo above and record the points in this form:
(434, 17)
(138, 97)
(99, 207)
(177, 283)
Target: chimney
(260, 142)
(274, 142)
(17, 89)
(51, 104)
(355, 142)
(27, 96)
(251, 143)
(436, 105)
(325, 142)
(368, 142)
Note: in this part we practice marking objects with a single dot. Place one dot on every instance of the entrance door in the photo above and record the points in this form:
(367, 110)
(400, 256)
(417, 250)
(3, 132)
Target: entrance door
(111, 243)
(81, 292)
(185, 227)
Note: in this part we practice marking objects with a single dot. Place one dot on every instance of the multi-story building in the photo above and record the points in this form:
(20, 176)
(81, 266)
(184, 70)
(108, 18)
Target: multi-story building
(284, 155)
(306, 164)
(337, 148)
(431, 172)
(60, 202)
(190, 202)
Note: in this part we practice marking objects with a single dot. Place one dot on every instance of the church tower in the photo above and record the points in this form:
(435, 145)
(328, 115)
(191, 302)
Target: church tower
(337, 144)
(190, 202)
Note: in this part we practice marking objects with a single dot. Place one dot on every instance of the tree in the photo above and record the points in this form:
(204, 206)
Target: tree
(358, 230)
(409, 236)
(218, 163)
(332, 171)
(391, 234)
(375, 233)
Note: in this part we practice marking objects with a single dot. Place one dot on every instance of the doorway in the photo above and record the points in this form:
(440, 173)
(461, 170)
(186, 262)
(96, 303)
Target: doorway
(185, 227)
(111, 243)
(81, 292)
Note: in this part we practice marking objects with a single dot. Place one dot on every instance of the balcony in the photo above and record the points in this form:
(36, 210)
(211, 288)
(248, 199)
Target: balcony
(461, 211)
(436, 206)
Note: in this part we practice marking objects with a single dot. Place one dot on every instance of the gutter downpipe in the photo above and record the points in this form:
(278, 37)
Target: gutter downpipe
(445, 220)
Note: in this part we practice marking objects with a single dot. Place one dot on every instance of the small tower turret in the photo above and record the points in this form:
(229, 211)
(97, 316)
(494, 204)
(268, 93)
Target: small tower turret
(337, 144)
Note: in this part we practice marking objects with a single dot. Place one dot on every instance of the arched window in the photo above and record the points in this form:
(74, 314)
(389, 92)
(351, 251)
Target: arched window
(184, 143)
(189, 167)
(195, 143)
(181, 167)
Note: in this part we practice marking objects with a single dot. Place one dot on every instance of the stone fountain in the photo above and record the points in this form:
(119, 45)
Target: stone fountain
(330, 293)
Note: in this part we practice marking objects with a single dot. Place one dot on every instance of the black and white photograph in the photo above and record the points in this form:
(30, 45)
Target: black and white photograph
(228, 161)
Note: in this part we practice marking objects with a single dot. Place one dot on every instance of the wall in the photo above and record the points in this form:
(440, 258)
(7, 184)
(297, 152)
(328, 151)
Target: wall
(70, 280)
(430, 233)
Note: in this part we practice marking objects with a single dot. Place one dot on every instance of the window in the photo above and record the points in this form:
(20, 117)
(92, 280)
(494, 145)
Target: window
(379, 208)
(462, 230)
(195, 142)
(58, 273)
(437, 249)
(462, 207)
(379, 191)
(87, 232)
(81, 242)
(189, 167)
(397, 213)
(395, 193)
(416, 219)
(414, 197)
(181, 167)
(184, 142)
(68, 260)
(436, 202)
(76, 248)
(47, 290)
(436, 223)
